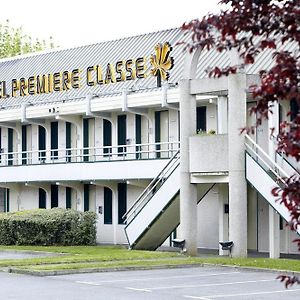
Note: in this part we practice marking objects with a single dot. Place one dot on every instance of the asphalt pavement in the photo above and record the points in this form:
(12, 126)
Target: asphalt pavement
(184, 283)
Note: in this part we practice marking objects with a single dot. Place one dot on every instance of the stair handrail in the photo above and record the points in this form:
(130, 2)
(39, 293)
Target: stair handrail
(265, 158)
(163, 174)
(282, 155)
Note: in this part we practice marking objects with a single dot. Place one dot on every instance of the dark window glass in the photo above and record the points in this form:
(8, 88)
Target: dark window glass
(42, 198)
(54, 140)
(6, 202)
(294, 109)
(106, 135)
(42, 143)
(24, 144)
(122, 133)
(157, 132)
(10, 145)
(68, 197)
(122, 201)
(85, 139)
(107, 206)
(201, 119)
(54, 195)
(68, 140)
(86, 197)
(138, 134)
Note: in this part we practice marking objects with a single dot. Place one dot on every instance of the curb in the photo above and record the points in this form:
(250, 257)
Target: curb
(133, 268)
(96, 270)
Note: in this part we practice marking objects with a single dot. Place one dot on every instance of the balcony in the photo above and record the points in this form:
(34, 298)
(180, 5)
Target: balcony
(209, 158)
(140, 161)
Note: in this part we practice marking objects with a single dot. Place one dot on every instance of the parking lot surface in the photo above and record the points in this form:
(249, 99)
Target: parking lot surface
(185, 283)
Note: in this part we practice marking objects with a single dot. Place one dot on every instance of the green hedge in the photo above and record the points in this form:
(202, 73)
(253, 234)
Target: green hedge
(55, 226)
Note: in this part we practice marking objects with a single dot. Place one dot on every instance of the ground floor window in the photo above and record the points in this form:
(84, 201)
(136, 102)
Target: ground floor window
(68, 197)
(107, 206)
(122, 201)
(42, 198)
(54, 195)
(86, 197)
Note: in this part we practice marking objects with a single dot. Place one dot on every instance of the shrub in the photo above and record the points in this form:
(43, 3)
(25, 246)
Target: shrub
(55, 226)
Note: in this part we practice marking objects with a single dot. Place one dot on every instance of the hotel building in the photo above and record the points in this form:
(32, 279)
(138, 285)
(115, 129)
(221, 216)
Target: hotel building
(134, 130)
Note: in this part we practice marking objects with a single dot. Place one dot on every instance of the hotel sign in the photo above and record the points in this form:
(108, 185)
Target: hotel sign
(123, 70)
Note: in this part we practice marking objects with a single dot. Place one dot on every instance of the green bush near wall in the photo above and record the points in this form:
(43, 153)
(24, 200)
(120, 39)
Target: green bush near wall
(55, 226)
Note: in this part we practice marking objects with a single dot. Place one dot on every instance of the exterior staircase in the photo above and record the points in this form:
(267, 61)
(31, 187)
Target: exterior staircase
(155, 214)
(264, 174)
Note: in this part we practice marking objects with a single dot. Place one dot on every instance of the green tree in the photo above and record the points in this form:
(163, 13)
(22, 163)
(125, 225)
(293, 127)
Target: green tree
(14, 42)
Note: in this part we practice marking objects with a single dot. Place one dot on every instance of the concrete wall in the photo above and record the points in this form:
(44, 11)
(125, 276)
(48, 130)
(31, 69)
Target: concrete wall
(208, 220)
(209, 153)
(252, 218)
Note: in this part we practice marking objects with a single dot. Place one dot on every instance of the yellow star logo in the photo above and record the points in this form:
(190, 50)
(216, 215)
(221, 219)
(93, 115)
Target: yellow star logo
(161, 61)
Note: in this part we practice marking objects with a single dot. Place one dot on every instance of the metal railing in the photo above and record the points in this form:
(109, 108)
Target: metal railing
(281, 159)
(265, 161)
(90, 154)
(152, 188)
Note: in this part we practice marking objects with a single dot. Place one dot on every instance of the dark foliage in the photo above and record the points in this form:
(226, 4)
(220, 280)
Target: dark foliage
(43, 227)
(250, 27)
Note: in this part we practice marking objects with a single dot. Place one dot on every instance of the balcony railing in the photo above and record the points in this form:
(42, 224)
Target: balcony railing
(90, 154)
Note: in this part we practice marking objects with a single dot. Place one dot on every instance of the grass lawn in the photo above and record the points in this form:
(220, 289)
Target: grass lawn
(105, 257)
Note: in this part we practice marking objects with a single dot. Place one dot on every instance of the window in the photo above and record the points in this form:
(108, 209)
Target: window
(122, 201)
(10, 145)
(54, 195)
(42, 143)
(68, 141)
(6, 202)
(54, 140)
(106, 136)
(85, 139)
(294, 109)
(86, 197)
(42, 198)
(138, 135)
(24, 144)
(107, 206)
(122, 134)
(201, 119)
(157, 132)
(68, 197)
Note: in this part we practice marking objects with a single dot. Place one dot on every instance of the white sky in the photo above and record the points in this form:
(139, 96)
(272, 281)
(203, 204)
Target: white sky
(78, 22)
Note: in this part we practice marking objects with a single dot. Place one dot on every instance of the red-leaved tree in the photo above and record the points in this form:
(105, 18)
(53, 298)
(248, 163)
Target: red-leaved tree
(251, 27)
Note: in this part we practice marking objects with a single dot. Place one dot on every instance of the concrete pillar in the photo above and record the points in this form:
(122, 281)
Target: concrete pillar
(222, 115)
(18, 131)
(223, 217)
(236, 150)
(61, 141)
(130, 136)
(151, 130)
(188, 191)
(34, 144)
(274, 230)
(48, 141)
(114, 137)
(274, 234)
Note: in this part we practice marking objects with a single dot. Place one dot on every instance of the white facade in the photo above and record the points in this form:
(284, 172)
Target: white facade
(98, 148)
